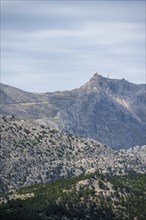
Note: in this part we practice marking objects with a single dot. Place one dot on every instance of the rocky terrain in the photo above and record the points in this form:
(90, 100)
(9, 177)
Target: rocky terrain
(33, 153)
(108, 110)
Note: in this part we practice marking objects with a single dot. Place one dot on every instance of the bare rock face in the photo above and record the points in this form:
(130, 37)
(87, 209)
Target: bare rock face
(112, 111)
(33, 153)
(108, 110)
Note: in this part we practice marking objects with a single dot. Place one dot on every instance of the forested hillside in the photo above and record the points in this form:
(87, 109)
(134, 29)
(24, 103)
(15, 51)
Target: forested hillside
(92, 196)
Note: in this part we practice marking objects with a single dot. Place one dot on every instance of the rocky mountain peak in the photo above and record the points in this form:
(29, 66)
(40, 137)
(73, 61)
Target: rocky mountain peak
(95, 77)
(106, 83)
(112, 86)
(93, 83)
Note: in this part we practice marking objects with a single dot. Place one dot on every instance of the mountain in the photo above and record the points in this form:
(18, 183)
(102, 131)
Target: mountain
(33, 153)
(50, 172)
(108, 110)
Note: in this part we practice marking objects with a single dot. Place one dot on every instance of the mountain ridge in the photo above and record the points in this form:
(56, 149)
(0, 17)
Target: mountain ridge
(109, 110)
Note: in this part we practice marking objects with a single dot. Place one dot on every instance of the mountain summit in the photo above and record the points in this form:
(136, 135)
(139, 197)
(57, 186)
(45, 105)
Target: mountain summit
(109, 110)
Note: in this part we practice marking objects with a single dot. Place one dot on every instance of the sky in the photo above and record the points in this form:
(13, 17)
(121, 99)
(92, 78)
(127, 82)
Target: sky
(59, 45)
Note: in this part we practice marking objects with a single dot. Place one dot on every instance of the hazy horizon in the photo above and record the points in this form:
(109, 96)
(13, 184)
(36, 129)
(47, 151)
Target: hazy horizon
(59, 45)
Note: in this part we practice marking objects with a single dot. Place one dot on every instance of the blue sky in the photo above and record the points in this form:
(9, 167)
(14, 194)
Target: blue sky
(58, 45)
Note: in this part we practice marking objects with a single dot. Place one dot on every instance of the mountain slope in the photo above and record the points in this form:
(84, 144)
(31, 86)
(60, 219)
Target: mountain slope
(109, 110)
(32, 153)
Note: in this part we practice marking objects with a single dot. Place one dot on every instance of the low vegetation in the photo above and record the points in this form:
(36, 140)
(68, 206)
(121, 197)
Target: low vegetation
(91, 196)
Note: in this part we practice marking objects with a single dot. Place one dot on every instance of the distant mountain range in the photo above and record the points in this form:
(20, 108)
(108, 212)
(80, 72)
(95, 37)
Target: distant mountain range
(108, 110)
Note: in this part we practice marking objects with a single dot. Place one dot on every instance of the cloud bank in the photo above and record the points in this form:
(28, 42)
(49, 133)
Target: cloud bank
(58, 45)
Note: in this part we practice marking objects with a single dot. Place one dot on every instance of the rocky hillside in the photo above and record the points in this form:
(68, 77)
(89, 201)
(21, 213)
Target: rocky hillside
(33, 153)
(108, 110)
